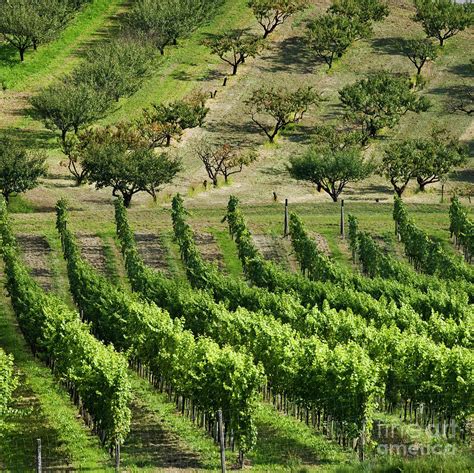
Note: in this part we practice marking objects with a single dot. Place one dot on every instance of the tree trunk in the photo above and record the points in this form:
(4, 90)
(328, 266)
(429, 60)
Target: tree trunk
(22, 54)
(168, 140)
(234, 69)
(6, 196)
(127, 199)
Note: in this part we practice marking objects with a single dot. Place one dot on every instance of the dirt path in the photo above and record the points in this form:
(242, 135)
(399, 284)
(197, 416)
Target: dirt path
(36, 252)
(92, 249)
(209, 249)
(151, 249)
(274, 249)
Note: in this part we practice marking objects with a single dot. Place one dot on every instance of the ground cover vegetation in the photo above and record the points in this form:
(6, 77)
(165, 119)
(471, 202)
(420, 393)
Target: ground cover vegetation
(306, 345)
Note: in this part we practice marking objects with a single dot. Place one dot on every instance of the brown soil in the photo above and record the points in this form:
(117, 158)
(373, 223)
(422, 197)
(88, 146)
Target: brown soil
(92, 249)
(152, 251)
(36, 252)
(209, 249)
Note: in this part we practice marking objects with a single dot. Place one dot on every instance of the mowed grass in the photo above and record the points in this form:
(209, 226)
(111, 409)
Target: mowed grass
(59, 56)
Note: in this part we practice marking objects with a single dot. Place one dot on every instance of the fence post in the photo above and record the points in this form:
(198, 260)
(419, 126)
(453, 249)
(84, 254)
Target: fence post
(342, 219)
(220, 427)
(117, 456)
(286, 231)
(362, 442)
(39, 465)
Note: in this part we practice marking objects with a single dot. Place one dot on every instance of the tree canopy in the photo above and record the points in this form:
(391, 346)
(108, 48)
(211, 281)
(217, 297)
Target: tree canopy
(329, 36)
(272, 109)
(27, 23)
(418, 51)
(164, 122)
(272, 13)
(20, 169)
(380, 101)
(68, 106)
(225, 160)
(330, 169)
(362, 12)
(428, 160)
(442, 19)
(117, 157)
(234, 47)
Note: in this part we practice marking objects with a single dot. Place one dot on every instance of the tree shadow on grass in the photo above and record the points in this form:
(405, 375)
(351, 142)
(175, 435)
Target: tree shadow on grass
(35, 139)
(290, 55)
(9, 56)
(464, 70)
(393, 46)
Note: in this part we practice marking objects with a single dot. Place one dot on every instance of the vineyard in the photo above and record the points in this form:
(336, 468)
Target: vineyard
(236, 235)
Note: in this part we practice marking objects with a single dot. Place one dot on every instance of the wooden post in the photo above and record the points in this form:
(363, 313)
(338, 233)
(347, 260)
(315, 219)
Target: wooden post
(220, 427)
(117, 456)
(286, 231)
(342, 219)
(442, 193)
(39, 465)
(362, 442)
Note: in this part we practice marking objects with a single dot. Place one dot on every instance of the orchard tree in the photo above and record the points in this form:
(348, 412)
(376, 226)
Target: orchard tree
(336, 137)
(362, 12)
(224, 160)
(399, 164)
(331, 170)
(67, 106)
(272, 13)
(437, 157)
(418, 51)
(272, 110)
(235, 47)
(115, 69)
(164, 122)
(464, 100)
(164, 22)
(329, 36)
(26, 23)
(442, 19)
(380, 101)
(117, 158)
(20, 169)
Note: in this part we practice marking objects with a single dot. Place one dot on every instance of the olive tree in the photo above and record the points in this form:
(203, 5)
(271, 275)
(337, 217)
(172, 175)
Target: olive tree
(328, 36)
(20, 169)
(442, 19)
(419, 51)
(234, 47)
(380, 101)
(118, 158)
(272, 110)
(272, 13)
(330, 169)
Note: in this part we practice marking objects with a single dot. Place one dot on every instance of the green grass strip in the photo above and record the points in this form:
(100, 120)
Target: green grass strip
(58, 56)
